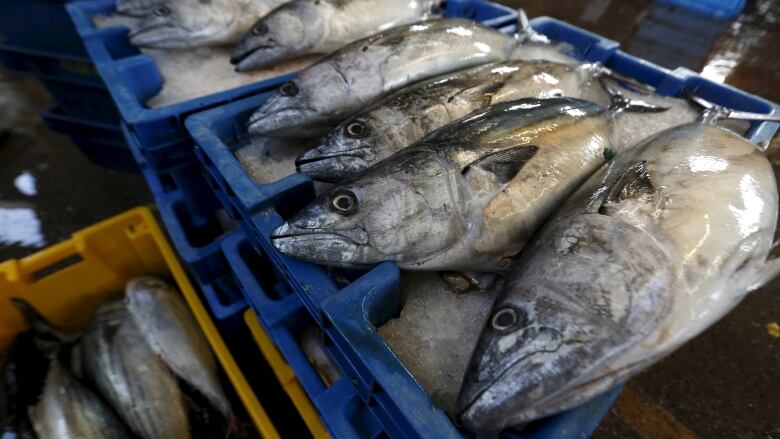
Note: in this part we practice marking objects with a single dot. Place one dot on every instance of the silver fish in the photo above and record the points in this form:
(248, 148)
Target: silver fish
(186, 24)
(304, 27)
(69, 410)
(408, 115)
(654, 248)
(362, 72)
(466, 198)
(173, 334)
(132, 378)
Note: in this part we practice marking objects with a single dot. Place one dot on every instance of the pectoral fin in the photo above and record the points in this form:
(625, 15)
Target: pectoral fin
(505, 164)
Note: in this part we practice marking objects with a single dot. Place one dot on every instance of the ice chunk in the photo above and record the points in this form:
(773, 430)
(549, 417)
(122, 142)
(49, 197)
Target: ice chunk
(199, 72)
(436, 333)
(268, 159)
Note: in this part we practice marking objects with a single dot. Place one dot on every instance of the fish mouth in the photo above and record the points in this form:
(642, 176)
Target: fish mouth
(301, 242)
(354, 235)
(252, 58)
(331, 167)
(153, 35)
(467, 410)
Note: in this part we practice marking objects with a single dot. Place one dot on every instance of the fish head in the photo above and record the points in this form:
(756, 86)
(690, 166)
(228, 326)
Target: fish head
(353, 146)
(137, 8)
(534, 343)
(401, 209)
(305, 106)
(185, 24)
(287, 32)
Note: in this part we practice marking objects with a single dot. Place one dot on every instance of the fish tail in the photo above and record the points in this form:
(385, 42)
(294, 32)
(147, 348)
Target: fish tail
(524, 30)
(621, 103)
(38, 322)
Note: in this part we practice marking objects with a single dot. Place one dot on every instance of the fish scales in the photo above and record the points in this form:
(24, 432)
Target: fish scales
(409, 114)
(449, 202)
(655, 247)
(303, 27)
(366, 70)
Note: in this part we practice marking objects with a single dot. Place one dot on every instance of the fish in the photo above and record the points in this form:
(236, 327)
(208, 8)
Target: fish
(69, 410)
(305, 27)
(409, 114)
(173, 334)
(188, 24)
(364, 71)
(24, 368)
(131, 377)
(655, 247)
(465, 198)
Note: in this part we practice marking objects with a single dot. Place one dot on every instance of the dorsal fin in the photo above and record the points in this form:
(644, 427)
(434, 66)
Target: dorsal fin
(635, 182)
(504, 164)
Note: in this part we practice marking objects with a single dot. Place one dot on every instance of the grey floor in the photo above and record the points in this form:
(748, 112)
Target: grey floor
(723, 384)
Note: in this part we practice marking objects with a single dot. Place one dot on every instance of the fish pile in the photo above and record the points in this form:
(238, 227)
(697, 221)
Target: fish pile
(612, 224)
(615, 224)
(142, 368)
(204, 47)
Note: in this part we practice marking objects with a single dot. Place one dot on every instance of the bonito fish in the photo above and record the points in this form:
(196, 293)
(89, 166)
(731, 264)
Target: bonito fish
(364, 71)
(69, 410)
(411, 113)
(132, 378)
(466, 198)
(654, 248)
(303, 27)
(171, 331)
(186, 24)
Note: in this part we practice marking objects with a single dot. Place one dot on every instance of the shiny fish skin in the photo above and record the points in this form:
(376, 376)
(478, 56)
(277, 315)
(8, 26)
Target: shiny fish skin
(444, 204)
(408, 115)
(172, 332)
(304, 27)
(137, 384)
(653, 249)
(68, 410)
(187, 24)
(364, 71)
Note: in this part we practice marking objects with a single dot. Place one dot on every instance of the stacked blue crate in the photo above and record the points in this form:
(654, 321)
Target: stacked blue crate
(348, 312)
(50, 49)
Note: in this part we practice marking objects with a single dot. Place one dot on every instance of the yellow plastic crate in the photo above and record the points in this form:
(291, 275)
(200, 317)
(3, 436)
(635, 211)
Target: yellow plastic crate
(286, 377)
(68, 281)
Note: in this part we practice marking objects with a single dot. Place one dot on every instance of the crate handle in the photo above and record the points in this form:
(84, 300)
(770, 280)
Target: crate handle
(56, 258)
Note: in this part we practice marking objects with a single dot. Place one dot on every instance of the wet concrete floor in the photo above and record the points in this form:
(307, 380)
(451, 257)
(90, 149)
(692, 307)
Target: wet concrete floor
(723, 384)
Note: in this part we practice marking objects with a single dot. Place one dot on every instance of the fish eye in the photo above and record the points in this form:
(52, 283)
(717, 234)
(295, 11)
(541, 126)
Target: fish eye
(162, 11)
(260, 29)
(356, 130)
(504, 318)
(288, 89)
(344, 202)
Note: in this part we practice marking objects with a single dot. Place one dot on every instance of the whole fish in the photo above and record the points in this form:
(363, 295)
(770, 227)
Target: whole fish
(172, 332)
(186, 24)
(304, 27)
(132, 378)
(25, 366)
(362, 72)
(409, 114)
(69, 410)
(466, 198)
(654, 248)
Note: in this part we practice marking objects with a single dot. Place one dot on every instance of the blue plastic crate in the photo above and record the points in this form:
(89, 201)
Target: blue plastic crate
(49, 65)
(348, 313)
(132, 78)
(341, 407)
(720, 9)
(82, 99)
(102, 143)
(51, 29)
